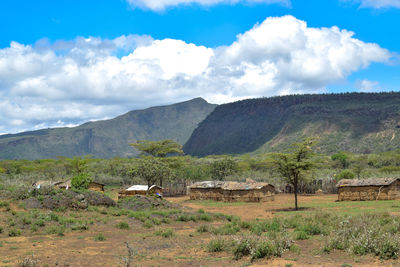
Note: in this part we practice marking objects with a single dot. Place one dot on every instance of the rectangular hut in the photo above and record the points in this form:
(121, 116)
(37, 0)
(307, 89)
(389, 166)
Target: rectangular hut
(368, 189)
(140, 190)
(232, 191)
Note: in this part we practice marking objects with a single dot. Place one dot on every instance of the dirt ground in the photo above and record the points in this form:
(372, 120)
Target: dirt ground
(252, 211)
(185, 248)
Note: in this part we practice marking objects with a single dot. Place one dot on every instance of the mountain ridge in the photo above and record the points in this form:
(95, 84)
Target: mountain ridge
(354, 122)
(108, 138)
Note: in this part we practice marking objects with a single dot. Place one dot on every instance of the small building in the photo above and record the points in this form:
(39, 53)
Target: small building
(232, 191)
(43, 183)
(93, 186)
(140, 190)
(368, 189)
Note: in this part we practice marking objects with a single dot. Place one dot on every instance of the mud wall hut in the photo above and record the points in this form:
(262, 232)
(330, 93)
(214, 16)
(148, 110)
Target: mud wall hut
(232, 191)
(368, 189)
(140, 190)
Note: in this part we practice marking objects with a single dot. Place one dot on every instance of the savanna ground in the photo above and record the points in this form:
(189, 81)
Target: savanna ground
(205, 233)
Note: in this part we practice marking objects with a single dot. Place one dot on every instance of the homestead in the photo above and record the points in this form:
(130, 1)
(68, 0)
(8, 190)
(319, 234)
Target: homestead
(140, 190)
(368, 189)
(94, 186)
(232, 191)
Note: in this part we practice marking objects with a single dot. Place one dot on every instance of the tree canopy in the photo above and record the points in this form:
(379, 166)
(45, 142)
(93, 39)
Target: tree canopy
(160, 149)
(292, 166)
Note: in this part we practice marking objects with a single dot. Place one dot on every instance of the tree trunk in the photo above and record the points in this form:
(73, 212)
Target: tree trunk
(295, 184)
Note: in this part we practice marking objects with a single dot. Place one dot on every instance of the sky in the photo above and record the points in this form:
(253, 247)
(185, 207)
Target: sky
(66, 62)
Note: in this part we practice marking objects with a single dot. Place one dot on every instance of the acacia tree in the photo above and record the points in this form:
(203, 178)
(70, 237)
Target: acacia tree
(222, 168)
(159, 149)
(152, 169)
(294, 164)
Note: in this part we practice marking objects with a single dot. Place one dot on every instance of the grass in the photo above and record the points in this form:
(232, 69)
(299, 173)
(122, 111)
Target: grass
(212, 203)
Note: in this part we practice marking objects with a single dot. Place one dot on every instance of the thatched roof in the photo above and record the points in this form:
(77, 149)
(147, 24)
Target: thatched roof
(229, 185)
(366, 182)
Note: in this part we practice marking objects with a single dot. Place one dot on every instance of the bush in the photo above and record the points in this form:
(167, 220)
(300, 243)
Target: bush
(165, 233)
(345, 174)
(301, 235)
(81, 181)
(99, 237)
(216, 245)
(14, 232)
(203, 229)
(148, 224)
(123, 225)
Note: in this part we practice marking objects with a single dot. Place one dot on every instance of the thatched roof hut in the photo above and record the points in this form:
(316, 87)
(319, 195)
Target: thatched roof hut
(140, 190)
(368, 189)
(232, 191)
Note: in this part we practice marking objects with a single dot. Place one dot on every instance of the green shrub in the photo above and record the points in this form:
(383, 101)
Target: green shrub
(200, 211)
(99, 237)
(203, 229)
(56, 229)
(14, 232)
(264, 250)
(205, 217)
(216, 245)
(123, 225)
(165, 233)
(345, 174)
(148, 224)
(1, 230)
(81, 181)
(243, 248)
(301, 235)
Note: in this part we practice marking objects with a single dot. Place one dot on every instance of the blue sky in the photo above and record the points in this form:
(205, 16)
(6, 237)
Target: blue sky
(65, 62)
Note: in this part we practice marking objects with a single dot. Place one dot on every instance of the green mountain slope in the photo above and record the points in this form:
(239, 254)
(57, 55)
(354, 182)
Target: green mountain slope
(357, 122)
(109, 138)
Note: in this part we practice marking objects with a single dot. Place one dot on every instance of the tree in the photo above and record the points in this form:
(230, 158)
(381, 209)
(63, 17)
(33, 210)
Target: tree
(81, 181)
(341, 157)
(152, 169)
(292, 166)
(222, 168)
(158, 148)
(345, 174)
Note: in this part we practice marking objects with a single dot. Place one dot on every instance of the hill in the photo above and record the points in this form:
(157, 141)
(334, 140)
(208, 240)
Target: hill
(108, 138)
(356, 122)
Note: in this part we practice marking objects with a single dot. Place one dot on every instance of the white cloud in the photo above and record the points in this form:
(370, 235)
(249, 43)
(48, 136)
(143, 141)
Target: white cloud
(158, 5)
(367, 85)
(68, 82)
(378, 3)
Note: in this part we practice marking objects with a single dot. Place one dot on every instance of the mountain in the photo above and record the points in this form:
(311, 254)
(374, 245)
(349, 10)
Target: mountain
(109, 138)
(355, 122)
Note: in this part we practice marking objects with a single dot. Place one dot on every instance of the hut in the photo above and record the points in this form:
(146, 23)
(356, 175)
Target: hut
(368, 189)
(232, 191)
(43, 183)
(140, 190)
(93, 186)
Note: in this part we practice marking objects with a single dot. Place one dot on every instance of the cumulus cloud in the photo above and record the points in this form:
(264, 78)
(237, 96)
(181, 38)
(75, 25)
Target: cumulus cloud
(378, 3)
(68, 82)
(367, 85)
(158, 5)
